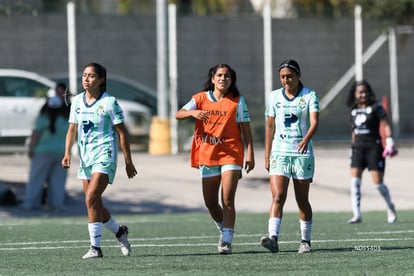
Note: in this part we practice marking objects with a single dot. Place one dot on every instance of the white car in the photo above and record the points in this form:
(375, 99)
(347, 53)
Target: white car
(22, 94)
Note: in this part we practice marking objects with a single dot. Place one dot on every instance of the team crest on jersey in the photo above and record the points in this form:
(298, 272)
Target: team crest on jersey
(360, 119)
(100, 111)
(302, 103)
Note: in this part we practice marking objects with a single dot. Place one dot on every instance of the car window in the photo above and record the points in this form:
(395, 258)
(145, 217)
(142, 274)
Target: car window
(124, 91)
(21, 87)
(3, 91)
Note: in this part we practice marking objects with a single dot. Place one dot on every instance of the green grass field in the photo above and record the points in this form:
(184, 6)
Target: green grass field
(185, 244)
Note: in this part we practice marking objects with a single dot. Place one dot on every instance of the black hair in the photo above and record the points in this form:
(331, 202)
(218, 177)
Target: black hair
(61, 85)
(291, 64)
(100, 70)
(53, 113)
(233, 87)
(351, 96)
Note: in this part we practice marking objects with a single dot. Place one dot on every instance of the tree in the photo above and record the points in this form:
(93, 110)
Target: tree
(389, 12)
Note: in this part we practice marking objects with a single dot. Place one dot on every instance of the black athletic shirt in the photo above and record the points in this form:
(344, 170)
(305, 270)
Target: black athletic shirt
(365, 124)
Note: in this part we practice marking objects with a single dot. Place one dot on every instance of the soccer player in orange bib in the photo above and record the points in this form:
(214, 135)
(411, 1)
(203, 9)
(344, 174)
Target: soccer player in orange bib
(222, 131)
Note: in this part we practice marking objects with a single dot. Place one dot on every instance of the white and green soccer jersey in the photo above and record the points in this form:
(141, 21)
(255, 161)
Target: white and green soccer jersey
(291, 120)
(97, 140)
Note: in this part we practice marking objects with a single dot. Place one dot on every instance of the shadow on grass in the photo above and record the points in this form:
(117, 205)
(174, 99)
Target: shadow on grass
(204, 254)
(75, 206)
(342, 249)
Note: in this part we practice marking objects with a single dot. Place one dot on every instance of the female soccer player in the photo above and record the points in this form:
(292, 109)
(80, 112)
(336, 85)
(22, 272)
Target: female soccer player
(292, 119)
(367, 115)
(222, 120)
(97, 118)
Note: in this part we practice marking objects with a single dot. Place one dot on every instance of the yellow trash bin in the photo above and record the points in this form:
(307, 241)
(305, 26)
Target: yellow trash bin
(159, 142)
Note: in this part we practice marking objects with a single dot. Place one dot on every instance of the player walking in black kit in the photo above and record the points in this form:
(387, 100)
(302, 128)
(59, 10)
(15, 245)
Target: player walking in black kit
(367, 115)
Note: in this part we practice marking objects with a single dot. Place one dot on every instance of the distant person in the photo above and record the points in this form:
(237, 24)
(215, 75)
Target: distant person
(367, 116)
(95, 120)
(292, 119)
(46, 148)
(222, 121)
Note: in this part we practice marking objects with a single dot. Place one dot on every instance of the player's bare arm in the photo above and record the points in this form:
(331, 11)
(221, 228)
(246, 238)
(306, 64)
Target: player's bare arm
(70, 140)
(126, 150)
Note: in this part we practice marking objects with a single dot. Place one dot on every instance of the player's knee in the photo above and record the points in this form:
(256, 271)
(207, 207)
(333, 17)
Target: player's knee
(304, 205)
(211, 205)
(92, 201)
(279, 198)
(228, 204)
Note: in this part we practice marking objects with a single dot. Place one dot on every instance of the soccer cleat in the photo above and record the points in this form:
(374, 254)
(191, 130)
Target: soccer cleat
(225, 248)
(304, 247)
(270, 244)
(94, 252)
(391, 215)
(355, 220)
(122, 237)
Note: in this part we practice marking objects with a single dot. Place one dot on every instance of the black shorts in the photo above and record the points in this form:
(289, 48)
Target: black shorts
(367, 157)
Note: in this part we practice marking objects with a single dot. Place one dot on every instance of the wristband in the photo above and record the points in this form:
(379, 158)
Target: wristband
(389, 141)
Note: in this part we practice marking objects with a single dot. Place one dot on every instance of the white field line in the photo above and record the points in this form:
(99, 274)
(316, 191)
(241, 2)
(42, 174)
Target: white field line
(41, 245)
(197, 238)
(385, 232)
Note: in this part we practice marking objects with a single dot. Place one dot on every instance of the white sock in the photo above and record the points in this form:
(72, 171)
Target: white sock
(356, 196)
(95, 233)
(219, 226)
(112, 225)
(306, 230)
(386, 195)
(228, 234)
(274, 226)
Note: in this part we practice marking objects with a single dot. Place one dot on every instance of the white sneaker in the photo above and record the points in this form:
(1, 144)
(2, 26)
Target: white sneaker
(122, 237)
(391, 216)
(355, 220)
(304, 247)
(94, 252)
(225, 248)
